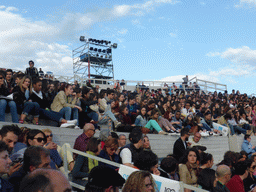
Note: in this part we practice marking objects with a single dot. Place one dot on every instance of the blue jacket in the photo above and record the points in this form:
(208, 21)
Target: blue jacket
(247, 147)
(103, 154)
(6, 186)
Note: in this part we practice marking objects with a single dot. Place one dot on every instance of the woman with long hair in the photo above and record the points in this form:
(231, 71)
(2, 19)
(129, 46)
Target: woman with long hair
(141, 181)
(64, 103)
(189, 170)
(21, 95)
(4, 101)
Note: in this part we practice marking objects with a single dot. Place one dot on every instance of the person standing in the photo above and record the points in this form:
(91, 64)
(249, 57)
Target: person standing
(31, 70)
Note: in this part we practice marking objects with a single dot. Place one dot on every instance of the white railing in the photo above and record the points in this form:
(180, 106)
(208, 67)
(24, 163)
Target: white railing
(66, 148)
(131, 84)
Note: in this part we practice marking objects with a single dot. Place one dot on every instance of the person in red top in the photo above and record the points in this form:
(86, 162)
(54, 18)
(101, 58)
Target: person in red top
(236, 182)
(83, 139)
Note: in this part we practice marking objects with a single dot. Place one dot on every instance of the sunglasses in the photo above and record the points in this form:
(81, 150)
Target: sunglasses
(113, 149)
(253, 167)
(40, 139)
(49, 135)
(1, 77)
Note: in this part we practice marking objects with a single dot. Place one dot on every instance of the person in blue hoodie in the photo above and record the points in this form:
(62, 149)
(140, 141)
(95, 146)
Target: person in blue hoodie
(247, 146)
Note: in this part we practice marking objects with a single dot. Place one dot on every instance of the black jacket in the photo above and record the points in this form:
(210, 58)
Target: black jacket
(179, 149)
(6, 186)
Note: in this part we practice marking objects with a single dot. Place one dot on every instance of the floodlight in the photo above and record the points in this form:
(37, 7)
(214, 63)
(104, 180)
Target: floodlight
(99, 50)
(108, 50)
(90, 39)
(115, 45)
(91, 48)
(104, 51)
(82, 38)
(95, 49)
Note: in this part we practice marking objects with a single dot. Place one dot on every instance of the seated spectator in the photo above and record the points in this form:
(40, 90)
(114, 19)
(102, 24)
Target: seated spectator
(207, 123)
(153, 123)
(4, 101)
(39, 97)
(181, 144)
(189, 122)
(187, 110)
(223, 175)
(121, 143)
(104, 179)
(146, 144)
(45, 180)
(84, 165)
(35, 157)
(234, 127)
(206, 160)
(55, 149)
(21, 140)
(108, 152)
(133, 108)
(129, 152)
(82, 140)
(250, 181)
(189, 169)
(195, 140)
(165, 122)
(169, 168)
(241, 173)
(64, 103)
(142, 119)
(140, 181)
(51, 93)
(21, 95)
(206, 179)
(5, 163)
(102, 118)
(177, 121)
(125, 120)
(247, 146)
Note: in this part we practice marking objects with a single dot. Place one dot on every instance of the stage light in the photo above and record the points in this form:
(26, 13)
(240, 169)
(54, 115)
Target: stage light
(101, 42)
(108, 50)
(104, 51)
(95, 49)
(109, 42)
(91, 48)
(90, 39)
(115, 45)
(82, 38)
(99, 50)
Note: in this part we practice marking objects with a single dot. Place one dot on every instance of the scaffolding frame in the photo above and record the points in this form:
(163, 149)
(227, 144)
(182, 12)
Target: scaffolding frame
(89, 63)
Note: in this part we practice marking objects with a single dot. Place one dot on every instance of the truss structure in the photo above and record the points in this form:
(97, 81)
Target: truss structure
(93, 60)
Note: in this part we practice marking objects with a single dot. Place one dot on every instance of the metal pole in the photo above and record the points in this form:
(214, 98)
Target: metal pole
(65, 160)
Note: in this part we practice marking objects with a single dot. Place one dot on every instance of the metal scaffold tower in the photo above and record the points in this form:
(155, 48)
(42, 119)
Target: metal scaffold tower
(93, 60)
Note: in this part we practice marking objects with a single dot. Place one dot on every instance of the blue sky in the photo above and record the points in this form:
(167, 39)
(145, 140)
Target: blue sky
(157, 39)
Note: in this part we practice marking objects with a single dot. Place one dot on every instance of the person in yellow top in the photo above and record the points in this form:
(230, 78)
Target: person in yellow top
(65, 103)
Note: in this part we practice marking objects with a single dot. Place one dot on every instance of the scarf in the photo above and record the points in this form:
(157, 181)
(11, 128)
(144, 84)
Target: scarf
(91, 162)
(192, 167)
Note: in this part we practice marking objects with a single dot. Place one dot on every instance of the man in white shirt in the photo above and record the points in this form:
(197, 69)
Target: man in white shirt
(129, 152)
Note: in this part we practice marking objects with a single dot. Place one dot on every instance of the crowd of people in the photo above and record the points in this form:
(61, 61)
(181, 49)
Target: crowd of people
(185, 112)
(31, 161)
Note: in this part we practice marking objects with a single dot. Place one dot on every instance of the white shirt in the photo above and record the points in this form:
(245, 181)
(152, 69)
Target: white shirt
(126, 156)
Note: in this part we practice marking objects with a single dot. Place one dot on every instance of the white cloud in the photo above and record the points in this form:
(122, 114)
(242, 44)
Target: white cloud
(243, 55)
(248, 3)
(123, 31)
(25, 39)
